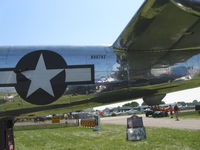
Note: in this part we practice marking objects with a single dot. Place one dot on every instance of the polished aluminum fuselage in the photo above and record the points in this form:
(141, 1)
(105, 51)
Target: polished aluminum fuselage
(119, 76)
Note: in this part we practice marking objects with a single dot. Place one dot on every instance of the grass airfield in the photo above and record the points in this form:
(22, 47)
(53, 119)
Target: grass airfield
(110, 137)
(189, 115)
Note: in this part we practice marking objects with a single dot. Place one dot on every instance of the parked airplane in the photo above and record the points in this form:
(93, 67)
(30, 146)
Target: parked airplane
(158, 47)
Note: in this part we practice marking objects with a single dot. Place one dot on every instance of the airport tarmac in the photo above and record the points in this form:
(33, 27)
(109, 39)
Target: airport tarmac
(193, 124)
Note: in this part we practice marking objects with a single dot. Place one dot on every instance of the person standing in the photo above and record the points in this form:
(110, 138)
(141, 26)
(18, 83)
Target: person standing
(176, 109)
(171, 111)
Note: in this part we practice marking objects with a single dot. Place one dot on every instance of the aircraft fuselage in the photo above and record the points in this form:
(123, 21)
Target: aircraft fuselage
(78, 77)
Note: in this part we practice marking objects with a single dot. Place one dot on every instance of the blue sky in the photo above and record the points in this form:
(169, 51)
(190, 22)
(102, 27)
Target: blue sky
(64, 22)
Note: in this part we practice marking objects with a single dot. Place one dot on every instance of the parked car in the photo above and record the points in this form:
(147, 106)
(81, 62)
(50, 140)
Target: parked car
(156, 112)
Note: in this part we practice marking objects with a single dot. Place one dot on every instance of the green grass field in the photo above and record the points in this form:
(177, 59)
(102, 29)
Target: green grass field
(190, 115)
(111, 137)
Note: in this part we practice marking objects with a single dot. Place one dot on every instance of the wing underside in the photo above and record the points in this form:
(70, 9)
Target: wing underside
(163, 25)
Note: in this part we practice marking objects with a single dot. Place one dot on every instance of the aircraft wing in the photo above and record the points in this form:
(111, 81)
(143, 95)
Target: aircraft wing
(161, 34)
(162, 25)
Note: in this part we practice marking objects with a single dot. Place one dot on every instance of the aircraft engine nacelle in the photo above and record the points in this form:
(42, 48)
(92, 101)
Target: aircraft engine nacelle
(153, 99)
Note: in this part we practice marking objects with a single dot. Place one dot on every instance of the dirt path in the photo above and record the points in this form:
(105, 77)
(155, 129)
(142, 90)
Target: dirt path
(157, 122)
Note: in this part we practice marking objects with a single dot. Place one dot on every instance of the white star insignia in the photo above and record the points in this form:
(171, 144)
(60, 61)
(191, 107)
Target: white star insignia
(40, 77)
